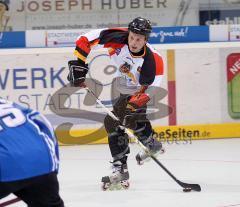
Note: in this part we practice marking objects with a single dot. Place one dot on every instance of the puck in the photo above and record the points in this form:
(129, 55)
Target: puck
(186, 190)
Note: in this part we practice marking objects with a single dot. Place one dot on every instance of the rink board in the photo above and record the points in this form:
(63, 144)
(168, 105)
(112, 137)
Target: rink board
(166, 134)
(195, 88)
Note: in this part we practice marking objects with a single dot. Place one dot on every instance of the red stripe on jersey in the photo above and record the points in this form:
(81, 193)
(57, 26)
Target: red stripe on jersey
(83, 44)
(94, 42)
(113, 45)
(159, 64)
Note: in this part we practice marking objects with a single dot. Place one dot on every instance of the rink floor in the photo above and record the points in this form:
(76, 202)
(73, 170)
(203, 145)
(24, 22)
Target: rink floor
(214, 164)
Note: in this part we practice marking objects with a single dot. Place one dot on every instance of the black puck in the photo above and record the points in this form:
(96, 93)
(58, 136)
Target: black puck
(187, 189)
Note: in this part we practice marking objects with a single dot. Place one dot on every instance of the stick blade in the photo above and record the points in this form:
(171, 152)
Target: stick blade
(195, 187)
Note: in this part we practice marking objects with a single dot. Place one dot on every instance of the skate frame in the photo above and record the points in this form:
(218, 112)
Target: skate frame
(195, 187)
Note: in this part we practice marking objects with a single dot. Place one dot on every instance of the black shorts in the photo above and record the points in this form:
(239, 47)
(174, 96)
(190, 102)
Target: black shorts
(40, 191)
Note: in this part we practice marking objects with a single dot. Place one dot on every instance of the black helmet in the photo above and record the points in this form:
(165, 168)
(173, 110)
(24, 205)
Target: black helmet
(140, 26)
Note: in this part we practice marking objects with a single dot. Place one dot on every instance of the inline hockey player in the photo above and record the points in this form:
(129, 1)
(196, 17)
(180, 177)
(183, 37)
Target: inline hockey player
(29, 157)
(140, 69)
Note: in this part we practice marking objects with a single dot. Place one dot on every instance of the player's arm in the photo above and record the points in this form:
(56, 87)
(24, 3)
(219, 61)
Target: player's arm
(153, 68)
(101, 38)
(85, 43)
(78, 69)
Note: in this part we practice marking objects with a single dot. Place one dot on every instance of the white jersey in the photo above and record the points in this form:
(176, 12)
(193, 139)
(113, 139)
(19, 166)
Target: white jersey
(134, 70)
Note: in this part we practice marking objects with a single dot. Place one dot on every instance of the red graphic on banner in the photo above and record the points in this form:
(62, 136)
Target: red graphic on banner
(233, 65)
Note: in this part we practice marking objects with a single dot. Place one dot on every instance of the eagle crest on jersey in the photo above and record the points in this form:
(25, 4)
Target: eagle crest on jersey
(126, 70)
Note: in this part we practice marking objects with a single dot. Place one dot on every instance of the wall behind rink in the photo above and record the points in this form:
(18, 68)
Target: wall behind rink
(202, 81)
(89, 14)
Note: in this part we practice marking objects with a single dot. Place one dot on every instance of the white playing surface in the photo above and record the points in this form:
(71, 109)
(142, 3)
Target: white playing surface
(214, 164)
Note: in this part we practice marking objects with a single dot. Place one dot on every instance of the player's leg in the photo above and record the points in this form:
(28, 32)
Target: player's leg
(145, 134)
(142, 128)
(7, 188)
(41, 191)
(118, 140)
(4, 190)
(118, 144)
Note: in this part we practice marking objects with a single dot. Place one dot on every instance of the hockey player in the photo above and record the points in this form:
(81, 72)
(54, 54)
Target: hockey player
(142, 69)
(29, 157)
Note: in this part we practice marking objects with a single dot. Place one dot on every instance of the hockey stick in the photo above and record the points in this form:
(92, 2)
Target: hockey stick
(9, 202)
(187, 187)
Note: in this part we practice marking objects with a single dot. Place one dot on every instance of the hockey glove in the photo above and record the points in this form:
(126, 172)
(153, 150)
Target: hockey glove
(135, 110)
(137, 101)
(77, 72)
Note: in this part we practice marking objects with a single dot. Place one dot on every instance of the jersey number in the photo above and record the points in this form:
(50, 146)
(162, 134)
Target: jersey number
(10, 116)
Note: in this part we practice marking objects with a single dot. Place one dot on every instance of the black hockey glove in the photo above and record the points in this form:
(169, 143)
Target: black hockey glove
(77, 72)
(135, 110)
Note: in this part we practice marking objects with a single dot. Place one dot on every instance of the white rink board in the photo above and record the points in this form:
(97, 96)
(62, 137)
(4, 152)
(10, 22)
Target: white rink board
(200, 80)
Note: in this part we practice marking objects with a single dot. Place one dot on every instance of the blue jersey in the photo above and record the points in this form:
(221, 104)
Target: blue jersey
(28, 146)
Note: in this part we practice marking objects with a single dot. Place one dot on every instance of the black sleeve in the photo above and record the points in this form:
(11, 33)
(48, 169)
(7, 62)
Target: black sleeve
(113, 36)
(148, 71)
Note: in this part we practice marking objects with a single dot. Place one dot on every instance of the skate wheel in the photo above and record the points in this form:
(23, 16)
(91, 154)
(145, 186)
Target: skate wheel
(105, 186)
(125, 184)
(162, 151)
(139, 160)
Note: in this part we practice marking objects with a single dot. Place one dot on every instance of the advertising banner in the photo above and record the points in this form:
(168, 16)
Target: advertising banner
(89, 14)
(218, 33)
(32, 79)
(66, 38)
(12, 39)
(234, 32)
(233, 76)
(62, 38)
(39, 80)
(220, 16)
(179, 34)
